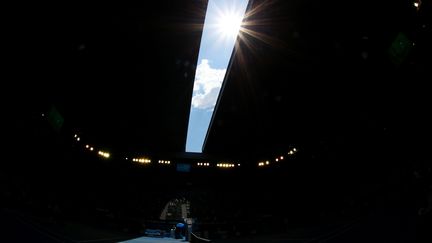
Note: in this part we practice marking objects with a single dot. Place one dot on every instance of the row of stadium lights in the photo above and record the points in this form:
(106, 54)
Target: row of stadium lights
(148, 161)
(91, 148)
(200, 164)
(277, 159)
(104, 154)
(226, 165)
(142, 160)
(220, 165)
(166, 162)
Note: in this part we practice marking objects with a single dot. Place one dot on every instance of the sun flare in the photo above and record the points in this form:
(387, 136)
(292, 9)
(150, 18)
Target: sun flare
(229, 24)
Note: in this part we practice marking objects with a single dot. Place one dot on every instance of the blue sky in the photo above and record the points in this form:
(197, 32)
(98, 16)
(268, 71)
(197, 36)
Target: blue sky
(219, 34)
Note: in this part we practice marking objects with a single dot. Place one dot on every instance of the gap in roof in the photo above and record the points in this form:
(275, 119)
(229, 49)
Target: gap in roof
(221, 26)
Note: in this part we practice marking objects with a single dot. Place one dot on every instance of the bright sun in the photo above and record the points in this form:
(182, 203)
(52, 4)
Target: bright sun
(229, 24)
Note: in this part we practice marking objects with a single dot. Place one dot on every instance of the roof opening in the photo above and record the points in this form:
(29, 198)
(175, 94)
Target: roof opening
(221, 26)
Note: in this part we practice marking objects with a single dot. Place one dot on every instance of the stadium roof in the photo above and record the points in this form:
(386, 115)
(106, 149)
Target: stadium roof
(324, 76)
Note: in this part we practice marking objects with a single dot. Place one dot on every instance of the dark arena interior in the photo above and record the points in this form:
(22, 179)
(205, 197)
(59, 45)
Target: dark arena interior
(321, 132)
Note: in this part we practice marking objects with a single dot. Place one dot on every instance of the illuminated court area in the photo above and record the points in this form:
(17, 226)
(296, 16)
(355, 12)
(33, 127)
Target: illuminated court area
(153, 240)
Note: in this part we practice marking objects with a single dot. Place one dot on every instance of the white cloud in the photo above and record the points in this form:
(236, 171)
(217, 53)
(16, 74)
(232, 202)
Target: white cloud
(207, 84)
